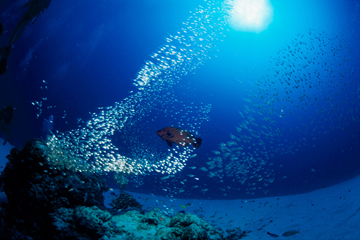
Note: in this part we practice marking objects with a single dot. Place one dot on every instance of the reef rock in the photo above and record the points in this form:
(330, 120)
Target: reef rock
(28, 175)
(94, 223)
(45, 203)
(34, 189)
(124, 201)
(81, 222)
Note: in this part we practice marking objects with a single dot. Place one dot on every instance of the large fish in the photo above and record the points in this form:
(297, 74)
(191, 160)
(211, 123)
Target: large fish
(179, 136)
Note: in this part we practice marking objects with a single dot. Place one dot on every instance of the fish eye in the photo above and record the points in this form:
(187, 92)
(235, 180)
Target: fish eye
(169, 134)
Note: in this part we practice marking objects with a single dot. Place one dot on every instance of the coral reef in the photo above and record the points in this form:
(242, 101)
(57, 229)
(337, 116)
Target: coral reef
(94, 223)
(45, 203)
(124, 201)
(34, 189)
(80, 223)
(235, 234)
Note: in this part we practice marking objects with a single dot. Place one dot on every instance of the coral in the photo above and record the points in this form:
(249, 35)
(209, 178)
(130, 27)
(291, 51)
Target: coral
(62, 219)
(84, 222)
(94, 223)
(156, 218)
(154, 225)
(131, 224)
(193, 227)
(91, 217)
(235, 234)
(28, 176)
(45, 203)
(45, 187)
(124, 201)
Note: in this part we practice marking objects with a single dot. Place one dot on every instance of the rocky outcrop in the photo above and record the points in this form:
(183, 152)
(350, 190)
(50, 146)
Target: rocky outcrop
(94, 223)
(45, 203)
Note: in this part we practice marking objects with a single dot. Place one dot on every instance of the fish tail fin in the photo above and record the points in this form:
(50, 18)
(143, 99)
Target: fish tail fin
(169, 143)
(197, 143)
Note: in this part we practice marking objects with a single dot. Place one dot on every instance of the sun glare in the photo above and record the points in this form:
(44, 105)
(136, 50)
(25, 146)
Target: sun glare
(250, 15)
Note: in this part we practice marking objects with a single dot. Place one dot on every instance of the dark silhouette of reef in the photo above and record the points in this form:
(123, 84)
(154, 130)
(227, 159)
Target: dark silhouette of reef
(44, 203)
(34, 190)
(125, 201)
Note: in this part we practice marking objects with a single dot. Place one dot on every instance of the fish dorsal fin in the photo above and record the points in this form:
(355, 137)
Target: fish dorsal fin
(169, 143)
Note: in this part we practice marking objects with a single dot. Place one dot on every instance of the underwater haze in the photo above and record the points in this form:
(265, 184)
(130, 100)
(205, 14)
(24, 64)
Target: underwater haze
(278, 110)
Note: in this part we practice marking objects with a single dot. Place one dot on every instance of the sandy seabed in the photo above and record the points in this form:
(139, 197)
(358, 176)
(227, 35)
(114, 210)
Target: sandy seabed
(329, 213)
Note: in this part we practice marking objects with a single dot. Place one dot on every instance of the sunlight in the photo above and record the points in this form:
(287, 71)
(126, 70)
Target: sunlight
(250, 15)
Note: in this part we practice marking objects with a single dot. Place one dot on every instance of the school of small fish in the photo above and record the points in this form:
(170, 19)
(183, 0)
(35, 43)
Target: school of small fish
(245, 161)
(92, 146)
(247, 156)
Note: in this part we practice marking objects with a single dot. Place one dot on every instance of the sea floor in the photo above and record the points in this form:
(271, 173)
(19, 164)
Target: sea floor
(328, 213)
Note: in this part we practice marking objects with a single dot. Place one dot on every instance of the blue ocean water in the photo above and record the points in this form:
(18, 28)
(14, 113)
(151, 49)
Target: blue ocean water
(284, 115)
